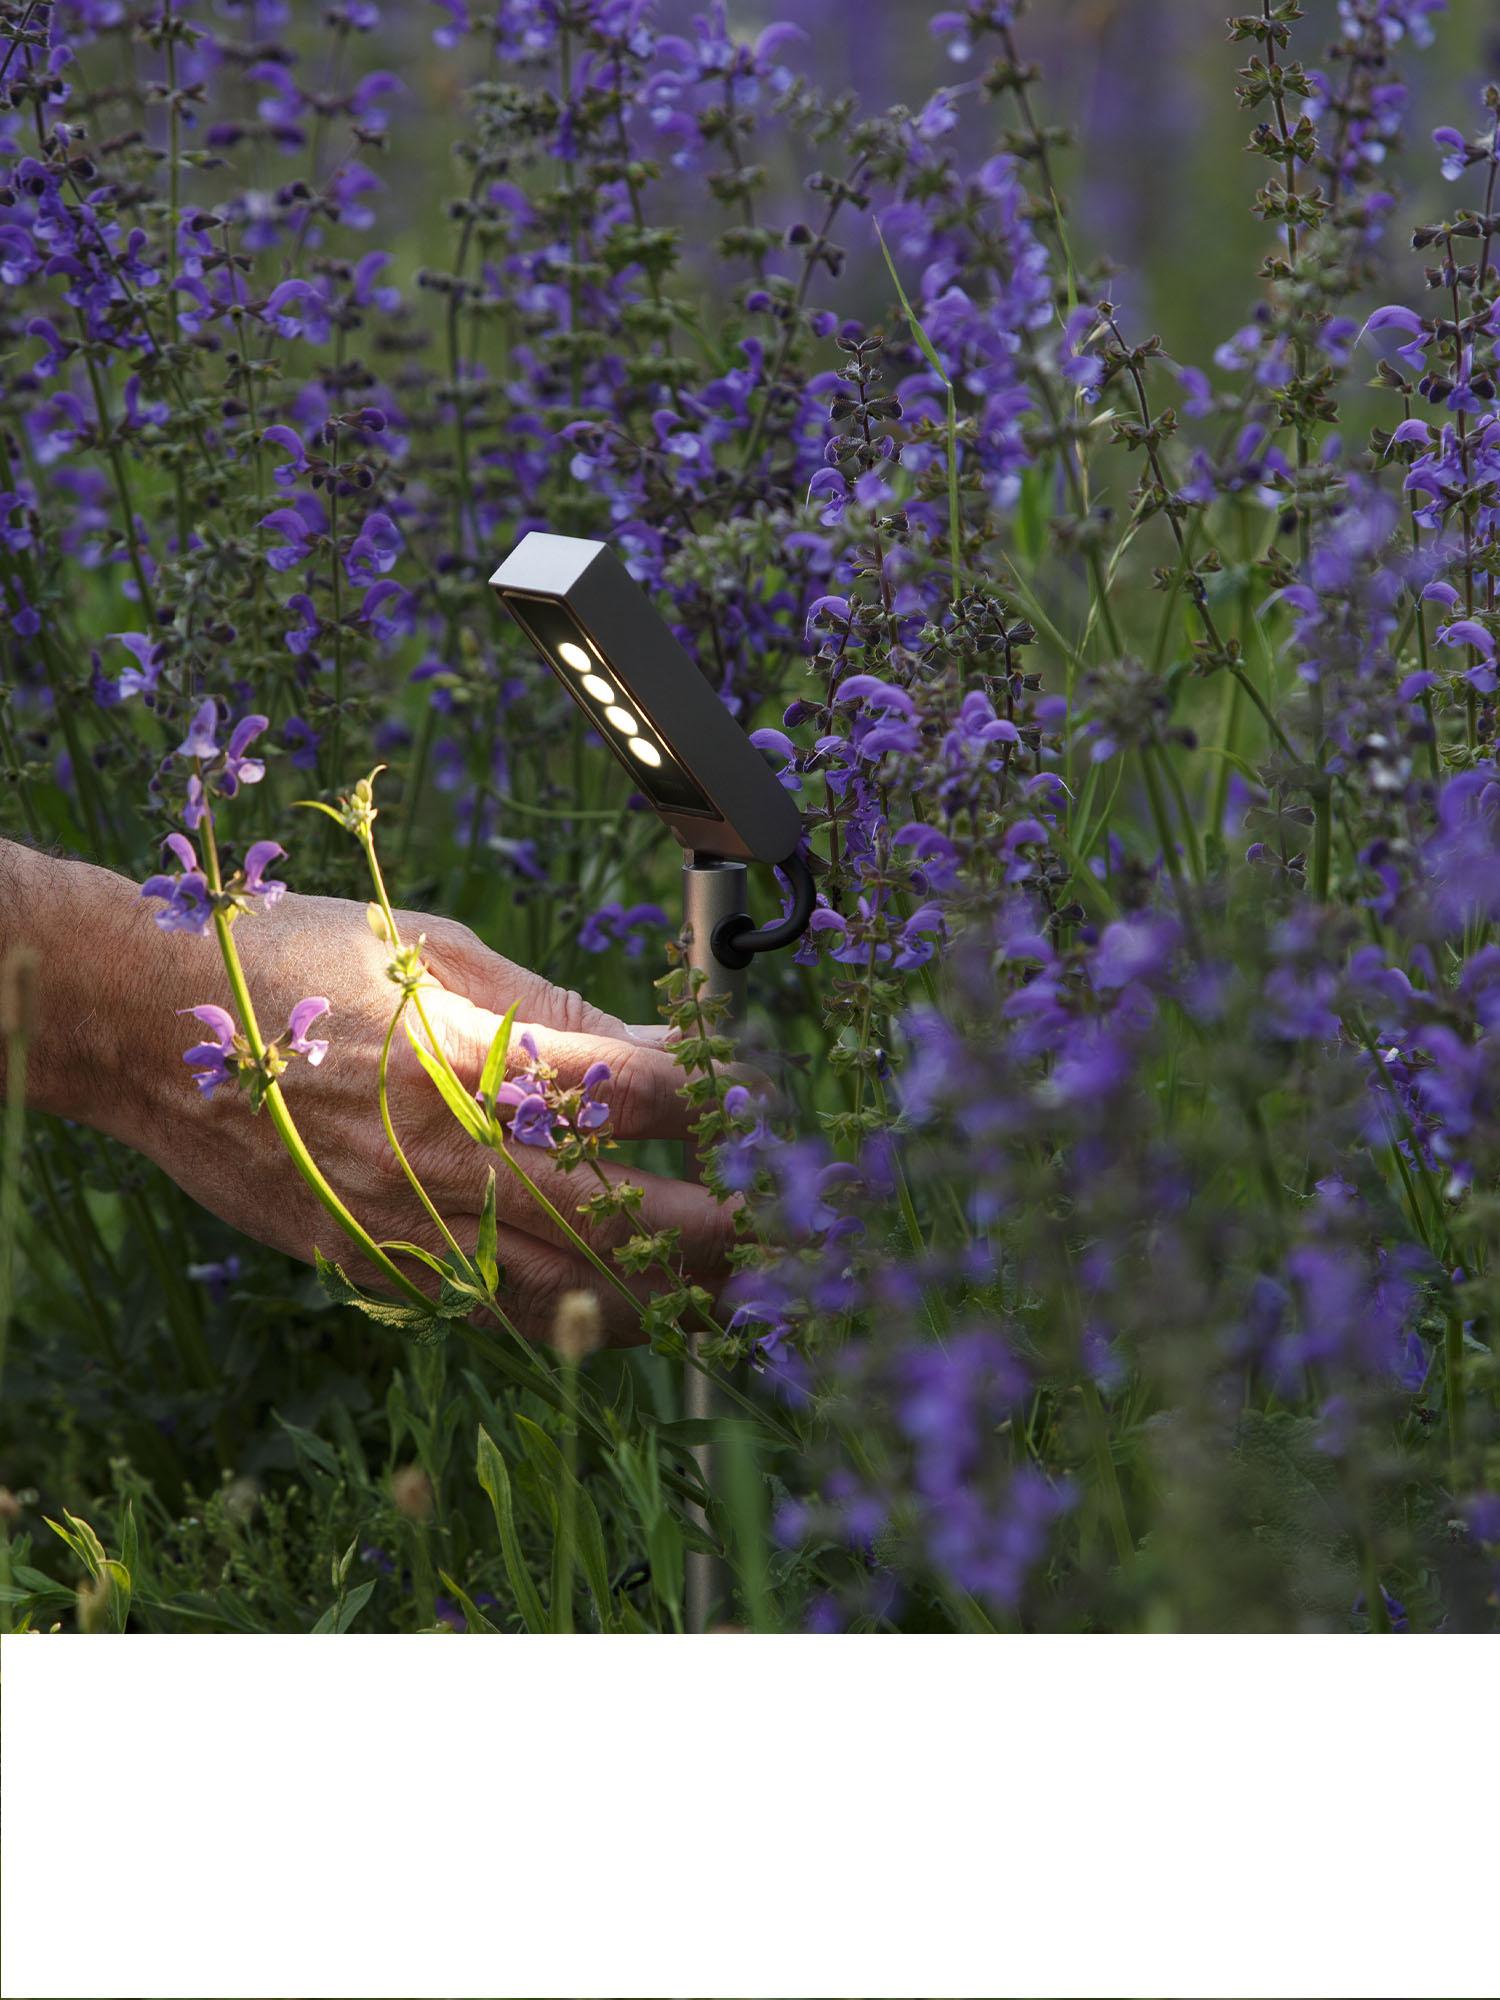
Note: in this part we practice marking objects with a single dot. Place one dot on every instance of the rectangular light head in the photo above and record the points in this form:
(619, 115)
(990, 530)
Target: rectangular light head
(606, 642)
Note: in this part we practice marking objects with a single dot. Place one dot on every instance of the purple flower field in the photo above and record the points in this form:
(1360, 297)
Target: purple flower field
(1094, 1220)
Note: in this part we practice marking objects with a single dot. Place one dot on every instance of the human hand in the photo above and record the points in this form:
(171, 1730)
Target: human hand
(131, 1083)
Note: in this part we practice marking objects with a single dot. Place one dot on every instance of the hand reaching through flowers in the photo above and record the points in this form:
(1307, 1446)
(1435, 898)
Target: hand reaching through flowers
(109, 1053)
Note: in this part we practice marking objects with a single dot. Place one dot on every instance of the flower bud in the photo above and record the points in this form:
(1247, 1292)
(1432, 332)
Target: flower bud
(241, 1498)
(578, 1329)
(375, 918)
(18, 999)
(411, 1492)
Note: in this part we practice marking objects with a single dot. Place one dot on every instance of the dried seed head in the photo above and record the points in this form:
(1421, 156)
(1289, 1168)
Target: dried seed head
(578, 1329)
(18, 996)
(411, 1492)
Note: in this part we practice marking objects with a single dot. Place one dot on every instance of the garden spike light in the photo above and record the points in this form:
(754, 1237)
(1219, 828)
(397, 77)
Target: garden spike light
(606, 642)
(609, 646)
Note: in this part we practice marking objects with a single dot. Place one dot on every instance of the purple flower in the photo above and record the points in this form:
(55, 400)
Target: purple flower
(592, 1114)
(287, 473)
(299, 1021)
(1455, 149)
(218, 1275)
(915, 944)
(238, 768)
(374, 549)
(298, 311)
(257, 860)
(1133, 949)
(302, 742)
(531, 1123)
(298, 536)
(211, 1058)
(614, 923)
(147, 654)
(1405, 321)
(1467, 632)
(199, 741)
(185, 897)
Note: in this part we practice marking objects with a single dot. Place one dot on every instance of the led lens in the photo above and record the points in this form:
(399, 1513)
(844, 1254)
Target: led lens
(574, 657)
(621, 719)
(598, 687)
(645, 753)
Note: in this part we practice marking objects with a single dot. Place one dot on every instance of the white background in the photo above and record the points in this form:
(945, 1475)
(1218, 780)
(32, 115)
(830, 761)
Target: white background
(738, 1816)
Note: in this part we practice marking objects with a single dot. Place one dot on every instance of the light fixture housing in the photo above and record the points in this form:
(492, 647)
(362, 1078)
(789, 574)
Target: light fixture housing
(711, 786)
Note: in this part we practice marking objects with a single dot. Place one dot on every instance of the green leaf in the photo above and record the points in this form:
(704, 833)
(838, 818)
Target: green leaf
(494, 1062)
(397, 1246)
(457, 1099)
(919, 332)
(386, 1312)
(477, 1620)
(119, 1595)
(311, 1447)
(317, 805)
(495, 1480)
(82, 1540)
(588, 1532)
(130, 1543)
(665, 1555)
(486, 1250)
(353, 1604)
(1030, 520)
(715, 1430)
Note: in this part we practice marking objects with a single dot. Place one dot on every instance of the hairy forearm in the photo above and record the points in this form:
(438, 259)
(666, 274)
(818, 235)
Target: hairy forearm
(103, 987)
(71, 918)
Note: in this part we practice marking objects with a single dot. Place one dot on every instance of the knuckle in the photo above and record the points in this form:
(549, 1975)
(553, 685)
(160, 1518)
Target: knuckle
(635, 1086)
(446, 938)
(432, 1155)
(574, 1010)
(384, 1168)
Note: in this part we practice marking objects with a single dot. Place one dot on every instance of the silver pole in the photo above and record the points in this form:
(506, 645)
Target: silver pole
(711, 891)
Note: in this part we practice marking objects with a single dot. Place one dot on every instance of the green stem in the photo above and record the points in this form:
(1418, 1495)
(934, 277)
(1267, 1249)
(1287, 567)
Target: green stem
(1114, 1500)
(435, 1043)
(1322, 835)
(281, 1117)
(1453, 1387)
(395, 1145)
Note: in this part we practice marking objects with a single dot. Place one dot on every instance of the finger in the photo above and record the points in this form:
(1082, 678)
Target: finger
(705, 1226)
(644, 1091)
(757, 1080)
(468, 967)
(536, 1277)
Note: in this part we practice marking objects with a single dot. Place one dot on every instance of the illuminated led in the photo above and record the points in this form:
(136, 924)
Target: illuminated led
(575, 657)
(621, 719)
(598, 687)
(644, 752)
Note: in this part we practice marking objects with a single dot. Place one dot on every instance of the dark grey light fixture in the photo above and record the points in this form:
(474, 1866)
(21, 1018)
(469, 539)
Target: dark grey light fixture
(606, 642)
